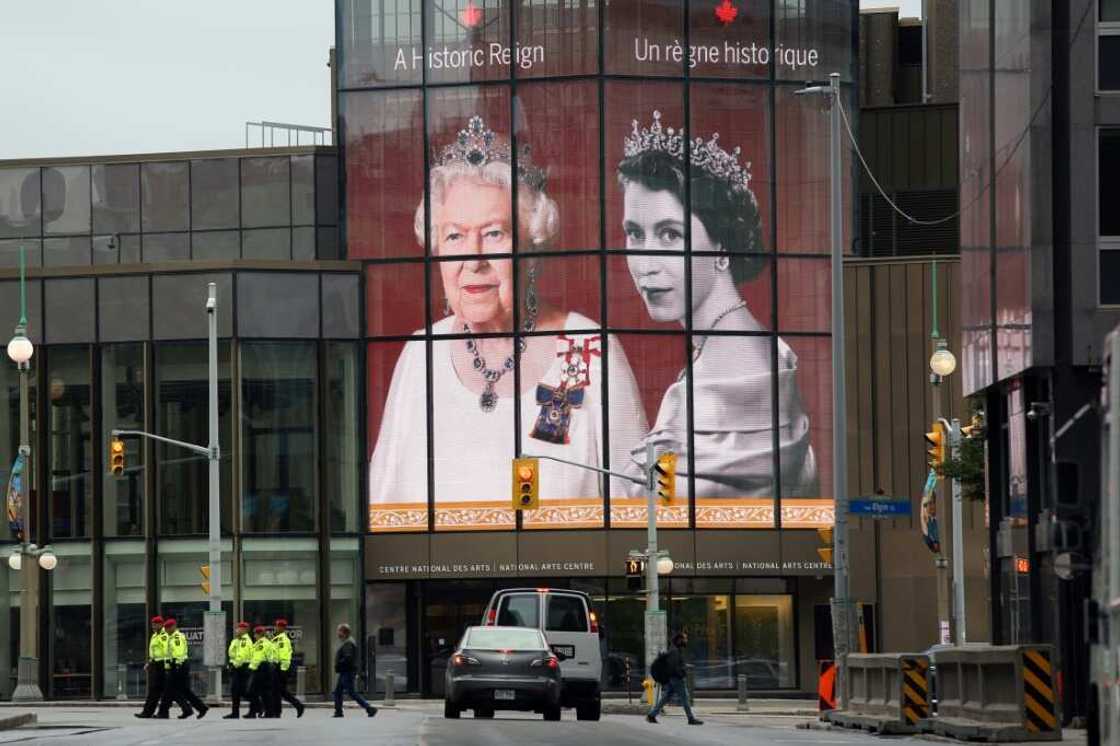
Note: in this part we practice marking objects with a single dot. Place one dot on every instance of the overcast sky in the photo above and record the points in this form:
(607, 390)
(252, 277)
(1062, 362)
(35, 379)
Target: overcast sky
(94, 77)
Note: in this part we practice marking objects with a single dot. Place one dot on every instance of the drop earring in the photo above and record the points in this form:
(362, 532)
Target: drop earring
(723, 261)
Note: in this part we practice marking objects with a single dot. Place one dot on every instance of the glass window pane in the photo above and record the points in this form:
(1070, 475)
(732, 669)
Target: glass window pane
(165, 196)
(395, 299)
(805, 422)
(327, 243)
(66, 202)
(1110, 277)
(279, 579)
(125, 624)
(267, 243)
(377, 34)
(69, 448)
(764, 641)
(265, 192)
(124, 309)
(1109, 11)
(122, 407)
(345, 595)
(519, 610)
(708, 621)
(10, 585)
(69, 303)
(116, 198)
(31, 248)
(214, 193)
(167, 247)
(805, 295)
(303, 190)
(560, 37)
(20, 201)
(326, 190)
(729, 40)
(641, 35)
(566, 613)
(278, 437)
(823, 26)
(181, 407)
(303, 244)
(70, 251)
(278, 304)
(398, 436)
(341, 449)
(10, 438)
(461, 37)
(387, 623)
(178, 301)
(379, 129)
(1108, 170)
(215, 245)
(71, 609)
(340, 306)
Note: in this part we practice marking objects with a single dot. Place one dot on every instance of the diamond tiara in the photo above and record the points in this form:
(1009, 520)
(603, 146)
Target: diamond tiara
(708, 156)
(477, 145)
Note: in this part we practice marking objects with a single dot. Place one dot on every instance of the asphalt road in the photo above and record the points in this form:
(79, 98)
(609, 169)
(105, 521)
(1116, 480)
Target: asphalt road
(61, 726)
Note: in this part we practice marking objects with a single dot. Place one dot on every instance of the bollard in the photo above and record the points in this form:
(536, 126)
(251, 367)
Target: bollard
(122, 679)
(629, 695)
(301, 681)
(744, 706)
(691, 674)
(390, 687)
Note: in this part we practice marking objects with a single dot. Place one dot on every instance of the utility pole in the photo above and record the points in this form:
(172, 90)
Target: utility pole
(214, 622)
(842, 623)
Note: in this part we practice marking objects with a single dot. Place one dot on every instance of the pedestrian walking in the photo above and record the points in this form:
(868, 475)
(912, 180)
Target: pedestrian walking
(240, 655)
(154, 667)
(345, 665)
(178, 669)
(283, 646)
(260, 686)
(675, 673)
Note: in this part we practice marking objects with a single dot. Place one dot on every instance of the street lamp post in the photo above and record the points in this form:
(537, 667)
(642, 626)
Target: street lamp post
(20, 350)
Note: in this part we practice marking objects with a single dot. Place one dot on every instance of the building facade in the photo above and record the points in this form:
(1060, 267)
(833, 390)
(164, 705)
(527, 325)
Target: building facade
(1038, 158)
(383, 357)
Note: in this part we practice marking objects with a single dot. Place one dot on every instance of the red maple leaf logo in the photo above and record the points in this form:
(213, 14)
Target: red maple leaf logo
(471, 15)
(726, 12)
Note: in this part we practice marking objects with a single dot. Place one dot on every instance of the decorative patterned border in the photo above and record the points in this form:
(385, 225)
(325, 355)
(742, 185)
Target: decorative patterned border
(493, 515)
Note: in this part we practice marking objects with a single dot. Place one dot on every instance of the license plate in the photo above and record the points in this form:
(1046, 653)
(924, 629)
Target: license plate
(568, 651)
(504, 694)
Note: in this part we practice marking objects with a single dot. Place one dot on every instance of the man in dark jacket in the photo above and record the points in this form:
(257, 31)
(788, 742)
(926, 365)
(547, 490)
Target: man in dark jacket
(346, 665)
(676, 683)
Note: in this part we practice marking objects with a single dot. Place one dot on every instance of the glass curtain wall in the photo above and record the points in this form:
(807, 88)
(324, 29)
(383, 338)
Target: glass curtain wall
(341, 444)
(11, 583)
(278, 436)
(182, 412)
(123, 391)
(69, 637)
(279, 579)
(69, 444)
(125, 623)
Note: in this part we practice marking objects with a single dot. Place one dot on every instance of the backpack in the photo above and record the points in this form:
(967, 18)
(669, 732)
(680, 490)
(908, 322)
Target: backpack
(660, 668)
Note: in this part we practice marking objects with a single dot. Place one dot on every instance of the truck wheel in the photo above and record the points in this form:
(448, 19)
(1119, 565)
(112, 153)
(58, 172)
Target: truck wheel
(591, 709)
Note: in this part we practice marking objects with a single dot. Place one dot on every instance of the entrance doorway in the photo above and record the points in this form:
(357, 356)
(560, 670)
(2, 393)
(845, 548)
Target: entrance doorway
(449, 608)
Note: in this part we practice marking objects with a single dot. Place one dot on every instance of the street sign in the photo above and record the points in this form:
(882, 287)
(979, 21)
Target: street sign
(879, 507)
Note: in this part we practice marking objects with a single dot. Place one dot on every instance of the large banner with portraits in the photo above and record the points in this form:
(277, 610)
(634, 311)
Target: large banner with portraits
(589, 227)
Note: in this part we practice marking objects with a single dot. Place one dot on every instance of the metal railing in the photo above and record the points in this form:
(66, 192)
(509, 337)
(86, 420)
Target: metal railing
(289, 134)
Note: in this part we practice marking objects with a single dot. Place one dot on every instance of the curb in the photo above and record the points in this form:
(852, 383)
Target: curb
(11, 722)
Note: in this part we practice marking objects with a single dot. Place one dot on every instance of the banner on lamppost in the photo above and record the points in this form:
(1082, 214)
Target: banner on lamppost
(930, 533)
(15, 497)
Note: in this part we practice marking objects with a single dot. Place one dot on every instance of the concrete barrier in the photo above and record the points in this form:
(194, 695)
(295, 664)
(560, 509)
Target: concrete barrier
(997, 693)
(888, 693)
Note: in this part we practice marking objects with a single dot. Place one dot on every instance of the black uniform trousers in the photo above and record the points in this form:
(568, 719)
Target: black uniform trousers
(157, 680)
(178, 688)
(239, 687)
(260, 691)
(280, 691)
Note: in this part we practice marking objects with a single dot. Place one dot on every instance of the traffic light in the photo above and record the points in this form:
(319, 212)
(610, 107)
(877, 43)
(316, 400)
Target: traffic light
(526, 484)
(205, 570)
(635, 571)
(666, 473)
(116, 457)
(936, 442)
(825, 551)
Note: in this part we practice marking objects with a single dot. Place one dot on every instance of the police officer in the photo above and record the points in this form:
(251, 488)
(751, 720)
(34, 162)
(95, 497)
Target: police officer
(240, 655)
(283, 646)
(260, 664)
(157, 657)
(178, 675)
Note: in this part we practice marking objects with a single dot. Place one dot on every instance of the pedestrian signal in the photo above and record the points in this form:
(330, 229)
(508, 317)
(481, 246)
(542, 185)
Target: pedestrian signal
(825, 551)
(116, 457)
(935, 450)
(635, 569)
(665, 471)
(526, 484)
(205, 570)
